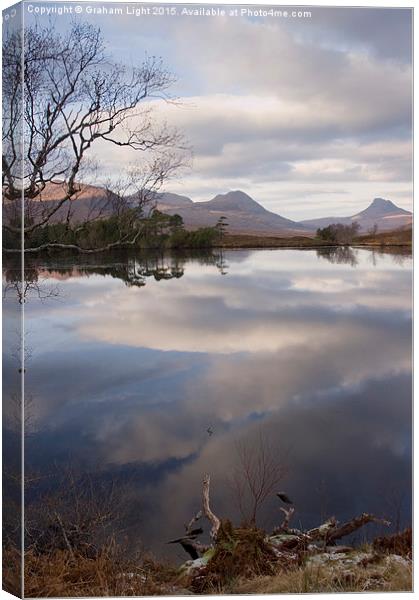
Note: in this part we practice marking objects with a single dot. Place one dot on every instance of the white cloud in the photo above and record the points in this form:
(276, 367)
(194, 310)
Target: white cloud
(267, 105)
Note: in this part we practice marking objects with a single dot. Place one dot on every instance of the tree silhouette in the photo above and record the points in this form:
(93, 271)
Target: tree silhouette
(75, 99)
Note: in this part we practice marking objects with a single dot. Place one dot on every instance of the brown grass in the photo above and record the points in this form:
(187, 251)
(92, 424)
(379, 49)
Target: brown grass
(270, 241)
(242, 563)
(395, 578)
(398, 543)
(11, 571)
(63, 574)
(399, 237)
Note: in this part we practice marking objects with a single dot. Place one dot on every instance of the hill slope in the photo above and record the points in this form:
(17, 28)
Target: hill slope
(382, 213)
(244, 215)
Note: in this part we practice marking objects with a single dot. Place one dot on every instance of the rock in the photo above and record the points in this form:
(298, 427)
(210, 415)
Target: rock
(338, 549)
(190, 566)
(340, 559)
(395, 559)
(279, 539)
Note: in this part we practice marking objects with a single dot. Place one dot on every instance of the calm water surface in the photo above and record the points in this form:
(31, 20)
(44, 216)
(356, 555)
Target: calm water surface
(131, 360)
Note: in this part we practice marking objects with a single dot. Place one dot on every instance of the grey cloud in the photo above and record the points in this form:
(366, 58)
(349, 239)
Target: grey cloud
(241, 138)
(351, 438)
(342, 81)
(384, 32)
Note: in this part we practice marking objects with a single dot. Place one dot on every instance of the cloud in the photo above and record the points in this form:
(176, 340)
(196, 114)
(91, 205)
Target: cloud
(347, 451)
(250, 142)
(299, 306)
(272, 103)
(382, 33)
(224, 316)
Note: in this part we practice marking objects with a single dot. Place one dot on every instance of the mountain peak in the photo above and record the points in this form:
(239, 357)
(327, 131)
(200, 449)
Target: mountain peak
(234, 200)
(382, 207)
(235, 195)
(382, 203)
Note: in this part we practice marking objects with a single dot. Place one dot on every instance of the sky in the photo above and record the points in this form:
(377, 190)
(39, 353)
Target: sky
(309, 116)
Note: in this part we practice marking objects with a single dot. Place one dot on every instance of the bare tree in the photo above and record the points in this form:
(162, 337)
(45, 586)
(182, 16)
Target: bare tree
(395, 498)
(76, 98)
(73, 512)
(259, 469)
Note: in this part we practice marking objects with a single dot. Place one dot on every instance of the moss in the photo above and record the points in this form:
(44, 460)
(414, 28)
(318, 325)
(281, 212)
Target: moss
(238, 553)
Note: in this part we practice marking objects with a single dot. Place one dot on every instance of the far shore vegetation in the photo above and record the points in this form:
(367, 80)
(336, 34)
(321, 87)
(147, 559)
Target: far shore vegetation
(399, 237)
(161, 231)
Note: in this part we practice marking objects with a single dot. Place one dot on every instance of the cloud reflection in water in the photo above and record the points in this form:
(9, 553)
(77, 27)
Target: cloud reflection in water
(315, 352)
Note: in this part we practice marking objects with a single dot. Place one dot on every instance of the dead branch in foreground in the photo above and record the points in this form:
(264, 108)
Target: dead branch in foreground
(189, 542)
(285, 543)
(288, 512)
(213, 519)
(347, 528)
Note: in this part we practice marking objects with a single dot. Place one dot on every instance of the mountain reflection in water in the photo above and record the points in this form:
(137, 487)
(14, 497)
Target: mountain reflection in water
(132, 358)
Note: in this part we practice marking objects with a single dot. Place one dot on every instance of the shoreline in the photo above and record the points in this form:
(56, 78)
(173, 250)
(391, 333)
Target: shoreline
(301, 246)
(227, 246)
(391, 240)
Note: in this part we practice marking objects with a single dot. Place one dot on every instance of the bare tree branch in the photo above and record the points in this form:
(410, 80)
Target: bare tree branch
(213, 519)
(75, 99)
(258, 471)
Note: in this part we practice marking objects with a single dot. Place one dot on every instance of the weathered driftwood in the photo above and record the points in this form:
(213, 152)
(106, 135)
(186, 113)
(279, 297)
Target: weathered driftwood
(286, 543)
(213, 519)
(189, 542)
(284, 527)
(327, 533)
(347, 528)
(288, 512)
(290, 543)
(323, 531)
(189, 526)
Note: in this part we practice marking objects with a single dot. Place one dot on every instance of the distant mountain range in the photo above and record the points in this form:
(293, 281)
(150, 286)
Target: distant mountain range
(383, 213)
(89, 202)
(244, 215)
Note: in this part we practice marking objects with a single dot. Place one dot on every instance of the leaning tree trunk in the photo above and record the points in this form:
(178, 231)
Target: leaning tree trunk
(212, 518)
